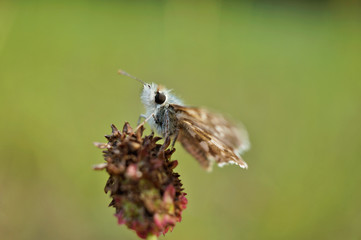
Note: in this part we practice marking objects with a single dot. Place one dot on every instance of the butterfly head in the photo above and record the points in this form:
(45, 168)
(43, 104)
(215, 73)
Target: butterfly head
(155, 96)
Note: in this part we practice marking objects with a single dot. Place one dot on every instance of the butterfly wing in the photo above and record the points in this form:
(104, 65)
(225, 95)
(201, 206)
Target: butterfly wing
(210, 137)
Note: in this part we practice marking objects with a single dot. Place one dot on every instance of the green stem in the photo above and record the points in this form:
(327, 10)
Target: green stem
(152, 237)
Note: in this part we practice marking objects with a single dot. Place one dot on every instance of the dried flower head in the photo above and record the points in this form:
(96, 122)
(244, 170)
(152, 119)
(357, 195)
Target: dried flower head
(147, 194)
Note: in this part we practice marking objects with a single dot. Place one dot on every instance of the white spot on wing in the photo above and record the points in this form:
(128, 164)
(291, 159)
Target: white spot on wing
(244, 165)
(216, 144)
(220, 130)
(203, 116)
(204, 145)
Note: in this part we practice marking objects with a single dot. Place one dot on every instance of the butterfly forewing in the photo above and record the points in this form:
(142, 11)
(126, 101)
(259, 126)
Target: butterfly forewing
(210, 137)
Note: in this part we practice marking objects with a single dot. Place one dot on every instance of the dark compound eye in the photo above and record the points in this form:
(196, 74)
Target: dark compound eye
(159, 98)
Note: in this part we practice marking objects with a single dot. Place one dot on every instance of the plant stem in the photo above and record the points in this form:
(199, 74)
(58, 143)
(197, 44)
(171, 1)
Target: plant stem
(152, 237)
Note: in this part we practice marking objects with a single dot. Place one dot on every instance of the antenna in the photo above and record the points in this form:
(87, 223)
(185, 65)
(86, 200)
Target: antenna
(128, 75)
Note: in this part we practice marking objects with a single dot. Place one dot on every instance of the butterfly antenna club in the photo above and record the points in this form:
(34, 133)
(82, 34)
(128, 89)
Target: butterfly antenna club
(121, 72)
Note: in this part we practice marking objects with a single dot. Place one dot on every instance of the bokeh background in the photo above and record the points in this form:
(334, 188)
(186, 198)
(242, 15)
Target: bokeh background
(289, 70)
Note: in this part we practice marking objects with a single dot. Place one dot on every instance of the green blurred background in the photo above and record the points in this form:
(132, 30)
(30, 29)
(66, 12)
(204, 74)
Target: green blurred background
(291, 71)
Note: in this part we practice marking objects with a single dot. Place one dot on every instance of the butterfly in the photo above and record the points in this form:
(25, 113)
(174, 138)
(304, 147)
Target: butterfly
(209, 137)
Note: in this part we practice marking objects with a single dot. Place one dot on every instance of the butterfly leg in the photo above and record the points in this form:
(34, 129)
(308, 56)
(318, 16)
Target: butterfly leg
(140, 118)
(142, 124)
(145, 117)
(175, 138)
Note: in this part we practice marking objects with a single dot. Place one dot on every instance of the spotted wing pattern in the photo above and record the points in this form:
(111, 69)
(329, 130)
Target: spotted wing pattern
(210, 137)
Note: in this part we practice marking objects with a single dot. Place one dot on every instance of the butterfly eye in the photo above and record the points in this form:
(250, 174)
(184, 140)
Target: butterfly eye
(159, 98)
